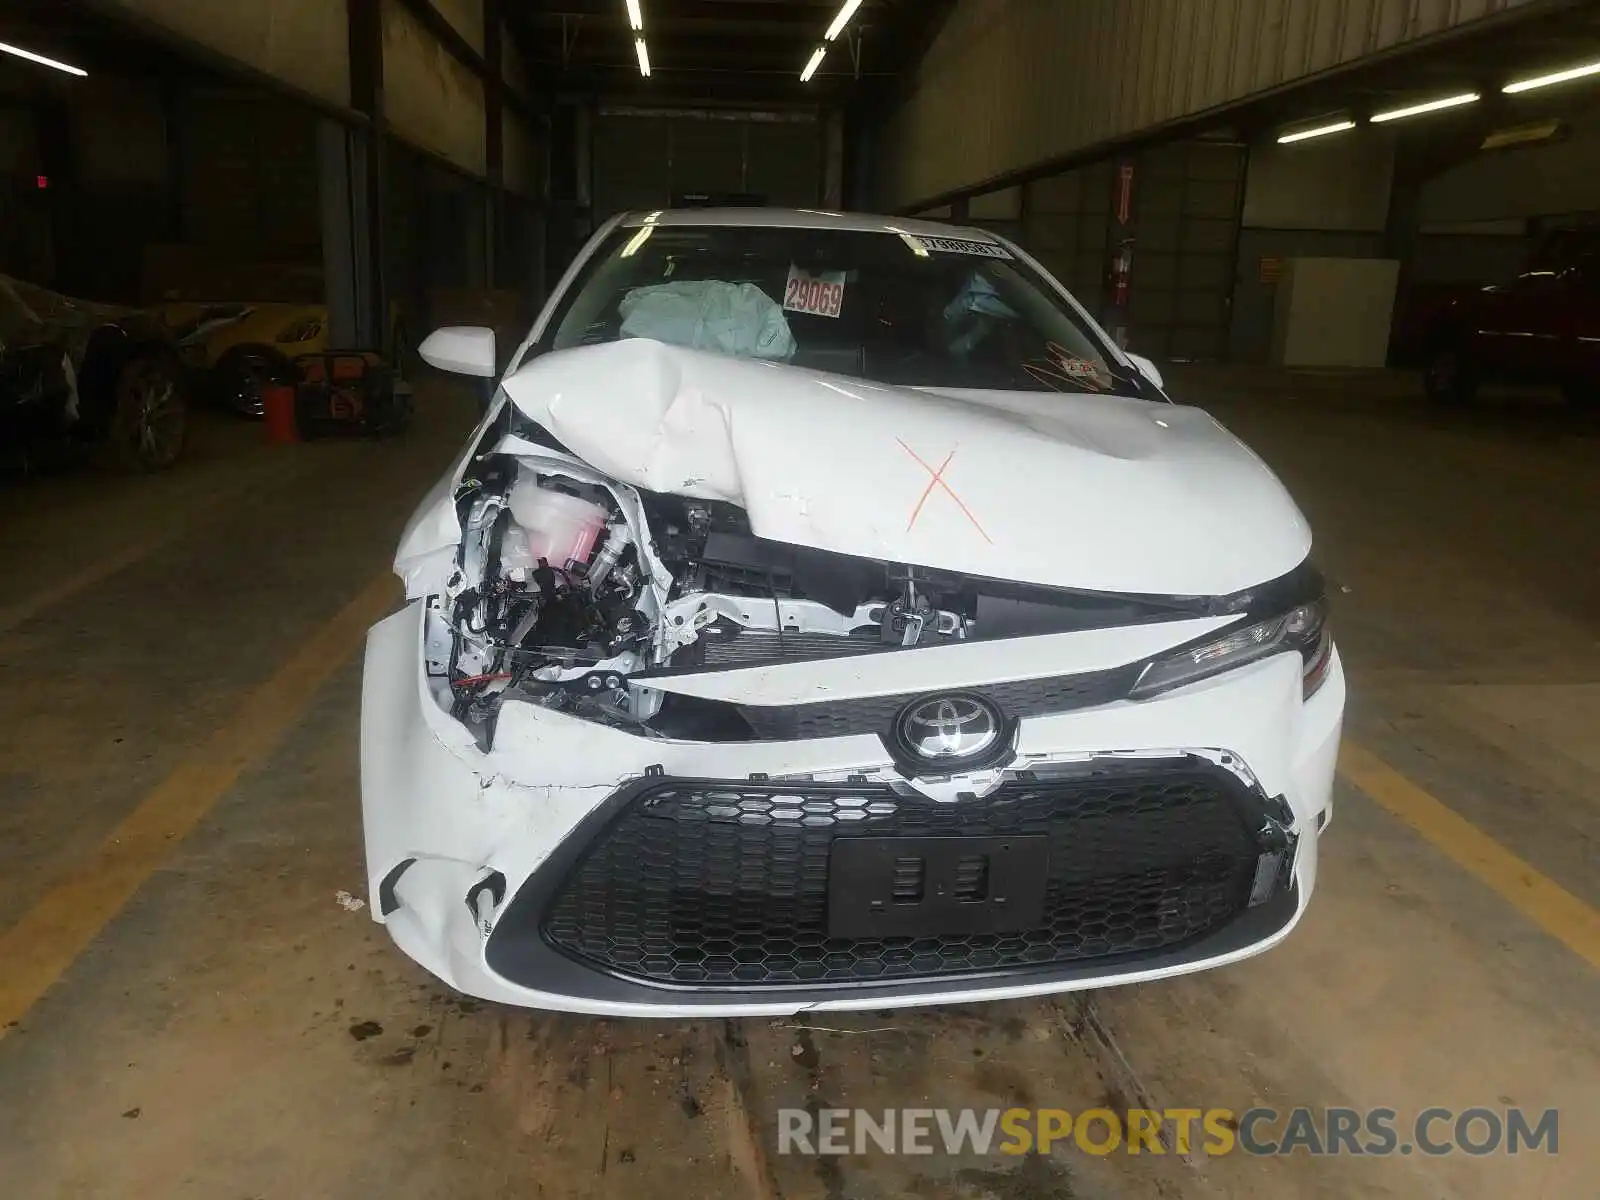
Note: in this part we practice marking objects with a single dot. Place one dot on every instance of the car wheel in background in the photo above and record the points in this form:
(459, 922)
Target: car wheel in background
(1450, 376)
(150, 417)
(242, 375)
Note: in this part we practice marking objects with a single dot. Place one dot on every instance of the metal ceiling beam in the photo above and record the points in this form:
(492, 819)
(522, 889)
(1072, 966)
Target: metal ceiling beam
(699, 89)
(796, 13)
(725, 39)
(730, 53)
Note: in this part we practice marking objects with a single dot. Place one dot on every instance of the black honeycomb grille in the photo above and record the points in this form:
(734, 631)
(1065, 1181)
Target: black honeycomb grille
(875, 714)
(727, 885)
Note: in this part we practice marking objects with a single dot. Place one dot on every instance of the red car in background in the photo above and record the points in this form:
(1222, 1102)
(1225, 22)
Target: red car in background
(1543, 327)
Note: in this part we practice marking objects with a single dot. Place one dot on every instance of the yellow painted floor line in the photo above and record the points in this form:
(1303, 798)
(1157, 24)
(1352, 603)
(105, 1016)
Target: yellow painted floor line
(38, 949)
(1549, 905)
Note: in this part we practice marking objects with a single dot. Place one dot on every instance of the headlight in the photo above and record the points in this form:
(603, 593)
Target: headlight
(1303, 628)
(304, 330)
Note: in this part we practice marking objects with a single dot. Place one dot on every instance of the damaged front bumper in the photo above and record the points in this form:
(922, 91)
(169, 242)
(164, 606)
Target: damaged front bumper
(506, 873)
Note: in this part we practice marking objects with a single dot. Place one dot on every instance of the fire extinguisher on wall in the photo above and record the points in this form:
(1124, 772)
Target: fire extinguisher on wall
(1119, 274)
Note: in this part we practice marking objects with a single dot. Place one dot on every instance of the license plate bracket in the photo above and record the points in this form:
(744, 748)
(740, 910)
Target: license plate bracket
(937, 886)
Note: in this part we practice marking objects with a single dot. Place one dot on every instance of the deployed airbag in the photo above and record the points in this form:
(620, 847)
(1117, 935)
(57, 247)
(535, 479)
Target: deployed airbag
(708, 314)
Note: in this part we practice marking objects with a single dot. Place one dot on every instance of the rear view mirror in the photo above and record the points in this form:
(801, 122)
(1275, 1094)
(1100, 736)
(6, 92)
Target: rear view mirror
(461, 349)
(1146, 368)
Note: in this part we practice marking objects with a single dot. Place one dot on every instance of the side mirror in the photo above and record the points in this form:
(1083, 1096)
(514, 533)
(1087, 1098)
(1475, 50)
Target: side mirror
(462, 349)
(1146, 368)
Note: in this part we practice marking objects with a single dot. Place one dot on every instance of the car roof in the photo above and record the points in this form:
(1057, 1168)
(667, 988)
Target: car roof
(802, 218)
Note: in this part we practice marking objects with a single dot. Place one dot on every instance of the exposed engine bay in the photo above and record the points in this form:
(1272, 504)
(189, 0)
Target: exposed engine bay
(571, 593)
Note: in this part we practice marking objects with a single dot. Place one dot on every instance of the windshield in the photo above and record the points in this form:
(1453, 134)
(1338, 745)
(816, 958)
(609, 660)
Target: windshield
(913, 311)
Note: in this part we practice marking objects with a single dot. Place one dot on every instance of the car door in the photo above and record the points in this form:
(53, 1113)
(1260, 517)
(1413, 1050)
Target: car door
(1579, 350)
(1517, 330)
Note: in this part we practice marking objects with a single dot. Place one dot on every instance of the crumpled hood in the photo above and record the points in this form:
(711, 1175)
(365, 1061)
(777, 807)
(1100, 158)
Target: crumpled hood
(1084, 491)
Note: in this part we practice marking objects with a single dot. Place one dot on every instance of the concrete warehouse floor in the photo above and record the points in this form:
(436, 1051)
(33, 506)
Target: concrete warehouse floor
(189, 1011)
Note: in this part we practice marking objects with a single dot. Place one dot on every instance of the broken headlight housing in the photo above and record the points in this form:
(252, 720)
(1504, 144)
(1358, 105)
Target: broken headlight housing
(1304, 628)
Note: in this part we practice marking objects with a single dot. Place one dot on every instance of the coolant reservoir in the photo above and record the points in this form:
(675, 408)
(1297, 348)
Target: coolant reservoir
(560, 528)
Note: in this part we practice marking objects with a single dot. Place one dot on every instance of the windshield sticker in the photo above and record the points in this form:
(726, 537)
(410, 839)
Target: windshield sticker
(1061, 366)
(946, 245)
(821, 295)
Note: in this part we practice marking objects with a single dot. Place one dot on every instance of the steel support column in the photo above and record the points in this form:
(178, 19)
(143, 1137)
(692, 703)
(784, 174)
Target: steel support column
(370, 182)
(494, 136)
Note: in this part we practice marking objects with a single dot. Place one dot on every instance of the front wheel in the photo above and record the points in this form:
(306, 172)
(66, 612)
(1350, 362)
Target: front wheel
(151, 415)
(243, 374)
(1450, 377)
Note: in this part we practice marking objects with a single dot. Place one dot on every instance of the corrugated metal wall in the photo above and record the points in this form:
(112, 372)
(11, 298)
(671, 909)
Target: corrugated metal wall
(642, 158)
(305, 43)
(249, 166)
(1011, 83)
(1185, 213)
(432, 100)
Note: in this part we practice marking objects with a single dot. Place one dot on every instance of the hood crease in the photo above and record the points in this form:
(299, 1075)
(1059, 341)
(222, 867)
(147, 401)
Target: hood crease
(1090, 491)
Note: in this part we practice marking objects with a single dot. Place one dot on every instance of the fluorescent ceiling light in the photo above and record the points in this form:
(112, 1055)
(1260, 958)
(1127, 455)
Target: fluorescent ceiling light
(1301, 135)
(41, 59)
(816, 61)
(635, 17)
(644, 57)
(843, 19)
(1416, 110)
(1539, 81)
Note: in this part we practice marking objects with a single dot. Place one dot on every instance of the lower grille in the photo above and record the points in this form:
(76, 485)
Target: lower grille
(726, 884)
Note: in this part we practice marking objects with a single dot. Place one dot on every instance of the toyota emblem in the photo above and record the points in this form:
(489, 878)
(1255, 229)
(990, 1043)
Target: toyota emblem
(950, 728)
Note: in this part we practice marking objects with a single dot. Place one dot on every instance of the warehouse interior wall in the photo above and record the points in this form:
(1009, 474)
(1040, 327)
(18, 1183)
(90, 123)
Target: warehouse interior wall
(514, 69)
(637, 158)
(1541, 180)
(1328, 198)
(1000, 211)
(430, 98)
(239, 170)
(83, 183)
(303, 43)
(1182, 221)
(433, 100)
(523, 170)
(27, 248)
(1065, 227)
(1332, 183)
(118, 187)
(245, 161)
(134, 189)
(465, 17)
(1009, 85)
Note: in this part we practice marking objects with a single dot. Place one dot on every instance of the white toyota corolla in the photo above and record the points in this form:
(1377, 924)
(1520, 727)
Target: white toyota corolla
(827, 615)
